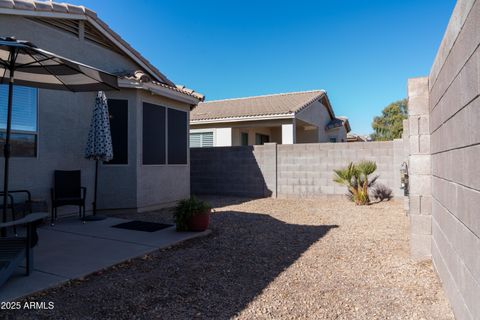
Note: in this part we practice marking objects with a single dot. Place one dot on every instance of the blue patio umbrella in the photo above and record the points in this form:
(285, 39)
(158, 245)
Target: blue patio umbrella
(99, 144)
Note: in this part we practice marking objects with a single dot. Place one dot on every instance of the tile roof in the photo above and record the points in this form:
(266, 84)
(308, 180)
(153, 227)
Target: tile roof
(268, 105)
(141, 77)
(45, 7)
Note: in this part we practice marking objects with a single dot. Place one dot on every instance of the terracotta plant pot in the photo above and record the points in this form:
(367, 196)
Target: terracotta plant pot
(199, 222)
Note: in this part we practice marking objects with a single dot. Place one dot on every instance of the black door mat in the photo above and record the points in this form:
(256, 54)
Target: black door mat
(142, 226)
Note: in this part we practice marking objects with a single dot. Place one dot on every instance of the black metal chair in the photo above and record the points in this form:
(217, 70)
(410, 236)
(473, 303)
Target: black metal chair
(68, 191)
(13, 250)
(15, 206)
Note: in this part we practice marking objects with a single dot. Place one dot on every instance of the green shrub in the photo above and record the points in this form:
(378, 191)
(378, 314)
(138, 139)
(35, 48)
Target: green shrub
(355, 178)
(187, 208)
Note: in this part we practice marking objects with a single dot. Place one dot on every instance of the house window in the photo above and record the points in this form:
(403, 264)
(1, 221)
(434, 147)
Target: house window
(201, 139)
(118, 112)
(177, 136)
(244, 138)
(261, 138)
(333, 139)
(154, 134)
(118, 116)
(24, 120)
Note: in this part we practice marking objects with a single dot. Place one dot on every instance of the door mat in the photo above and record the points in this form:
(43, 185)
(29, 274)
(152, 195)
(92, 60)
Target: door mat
(142, 226)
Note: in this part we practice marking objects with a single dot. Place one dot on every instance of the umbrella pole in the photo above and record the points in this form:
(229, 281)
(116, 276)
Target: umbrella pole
(94, 216)
(95, 189)
(6, 147)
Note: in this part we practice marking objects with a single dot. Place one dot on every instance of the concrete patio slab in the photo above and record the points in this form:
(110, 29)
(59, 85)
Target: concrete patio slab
(71, 250)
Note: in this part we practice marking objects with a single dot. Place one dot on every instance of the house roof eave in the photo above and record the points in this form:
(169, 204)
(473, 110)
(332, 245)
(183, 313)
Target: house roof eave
(170, 93)
(244, 118)
(51, 10)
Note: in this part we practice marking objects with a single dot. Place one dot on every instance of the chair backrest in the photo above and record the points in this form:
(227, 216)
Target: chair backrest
(67, 184)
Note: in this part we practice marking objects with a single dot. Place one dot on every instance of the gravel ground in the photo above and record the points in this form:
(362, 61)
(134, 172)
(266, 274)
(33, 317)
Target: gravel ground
(267, 259)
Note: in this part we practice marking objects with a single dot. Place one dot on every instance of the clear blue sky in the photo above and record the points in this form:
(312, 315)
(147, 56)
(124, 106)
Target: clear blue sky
(361, 52)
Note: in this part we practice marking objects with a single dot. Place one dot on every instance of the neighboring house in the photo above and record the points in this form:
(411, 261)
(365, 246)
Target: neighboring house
(352, 137)
(287, 118)
(149, 114)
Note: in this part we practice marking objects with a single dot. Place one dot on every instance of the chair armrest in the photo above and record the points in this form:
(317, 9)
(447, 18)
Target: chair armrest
(28, 219)
(29, 195)
(9, 196)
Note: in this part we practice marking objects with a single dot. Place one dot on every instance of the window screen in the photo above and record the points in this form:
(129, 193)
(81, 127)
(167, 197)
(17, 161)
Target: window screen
(154, 142)
(24, 108)
(118, 111)
(201, 139)
(24, 120)
(177, 137)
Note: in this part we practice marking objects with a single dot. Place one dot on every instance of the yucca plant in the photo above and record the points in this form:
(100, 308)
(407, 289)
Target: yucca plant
(355, 178)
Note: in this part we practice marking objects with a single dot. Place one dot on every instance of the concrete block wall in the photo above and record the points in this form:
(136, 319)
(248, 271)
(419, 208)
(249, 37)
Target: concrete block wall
(240, 171)
(296, 170)
(454, 128)
(306, 170)
(419, 165)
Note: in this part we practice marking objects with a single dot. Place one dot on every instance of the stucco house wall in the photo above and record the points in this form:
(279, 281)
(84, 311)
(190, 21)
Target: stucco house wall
(63, 124)
(154, 182)
(229, 133)
(65, 44)
(316, 114)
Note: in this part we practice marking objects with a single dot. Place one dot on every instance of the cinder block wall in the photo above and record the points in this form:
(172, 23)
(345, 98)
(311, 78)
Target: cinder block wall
(306, 170)
(420, 169)
(238, 171)
(299, 170)
(454, 127)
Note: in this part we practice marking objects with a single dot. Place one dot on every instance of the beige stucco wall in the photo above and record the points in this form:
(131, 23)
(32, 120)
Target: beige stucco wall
(272, 128)
(154, 182)
(316, 114)
(339, 133)
(65, 44)
(252, 131)
(64, 121)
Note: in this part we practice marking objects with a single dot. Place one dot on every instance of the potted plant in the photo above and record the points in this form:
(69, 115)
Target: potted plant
(192, 215)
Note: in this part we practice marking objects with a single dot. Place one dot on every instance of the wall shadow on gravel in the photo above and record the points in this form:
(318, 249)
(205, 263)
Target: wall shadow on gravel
(215, 277)
(246, 252)
(219, 202)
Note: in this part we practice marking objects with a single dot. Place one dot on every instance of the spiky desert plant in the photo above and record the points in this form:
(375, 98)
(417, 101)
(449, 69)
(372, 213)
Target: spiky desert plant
(355, 178)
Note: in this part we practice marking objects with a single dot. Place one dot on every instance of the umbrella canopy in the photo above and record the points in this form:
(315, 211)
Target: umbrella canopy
(34, 67)
(24, 64)
(99, 143)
